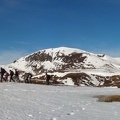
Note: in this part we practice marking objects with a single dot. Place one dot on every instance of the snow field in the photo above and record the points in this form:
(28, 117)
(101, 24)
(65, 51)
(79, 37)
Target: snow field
(20, 101)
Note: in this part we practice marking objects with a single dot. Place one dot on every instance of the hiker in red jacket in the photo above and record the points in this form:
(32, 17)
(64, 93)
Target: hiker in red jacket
(6, 76)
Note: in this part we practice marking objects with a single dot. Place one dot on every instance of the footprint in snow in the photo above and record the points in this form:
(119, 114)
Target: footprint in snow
(83, 108)
(71, 113)
(30, 115)
(40, 112)
(56, 109)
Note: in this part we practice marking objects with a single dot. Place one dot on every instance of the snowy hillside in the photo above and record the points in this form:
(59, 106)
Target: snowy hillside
(56, 58)
(93, 69)
(20, 101)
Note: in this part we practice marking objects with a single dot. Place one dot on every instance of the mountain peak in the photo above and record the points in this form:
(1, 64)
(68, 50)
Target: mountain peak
(65, 50)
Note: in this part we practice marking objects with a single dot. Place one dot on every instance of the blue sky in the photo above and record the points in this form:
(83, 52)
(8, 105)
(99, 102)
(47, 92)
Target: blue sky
(27, 26)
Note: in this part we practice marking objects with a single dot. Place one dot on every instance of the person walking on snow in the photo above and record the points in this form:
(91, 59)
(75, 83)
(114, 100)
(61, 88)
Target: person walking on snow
(2, 73)
(17, 75)
(6, 76)
(11, 76)
(28, 78)
(47, 78)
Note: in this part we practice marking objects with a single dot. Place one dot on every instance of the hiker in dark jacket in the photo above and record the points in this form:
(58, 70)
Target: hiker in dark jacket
(11, 76)
(47, 78)
(28, 78)
(17, 75)
(2, 73)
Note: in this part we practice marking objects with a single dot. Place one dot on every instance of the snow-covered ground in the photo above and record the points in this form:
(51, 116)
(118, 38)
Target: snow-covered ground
(20, 101)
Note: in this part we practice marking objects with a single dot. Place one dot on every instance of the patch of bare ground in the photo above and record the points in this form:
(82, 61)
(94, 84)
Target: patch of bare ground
(110, 98)
(79, 78)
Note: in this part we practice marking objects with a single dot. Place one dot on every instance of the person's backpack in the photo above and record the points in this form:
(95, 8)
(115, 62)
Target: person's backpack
(12, 73)
(3, 71)
(18, 72)
(6, 74)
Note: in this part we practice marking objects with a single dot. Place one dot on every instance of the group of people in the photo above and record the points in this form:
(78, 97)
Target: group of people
(5, 74)
(14, 76)
(28, 77)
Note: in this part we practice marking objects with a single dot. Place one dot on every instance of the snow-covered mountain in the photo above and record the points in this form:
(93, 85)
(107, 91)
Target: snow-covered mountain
(71, 66)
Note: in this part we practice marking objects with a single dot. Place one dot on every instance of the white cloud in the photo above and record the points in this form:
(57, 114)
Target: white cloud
(7, 57)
